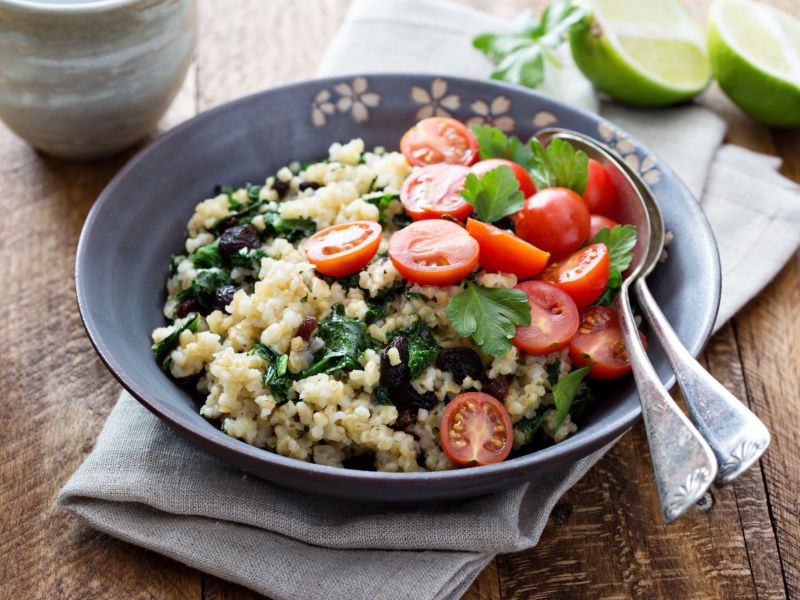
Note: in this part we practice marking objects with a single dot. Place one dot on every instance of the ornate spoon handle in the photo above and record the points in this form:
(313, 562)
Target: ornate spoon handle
(736, 436)
(683, 464)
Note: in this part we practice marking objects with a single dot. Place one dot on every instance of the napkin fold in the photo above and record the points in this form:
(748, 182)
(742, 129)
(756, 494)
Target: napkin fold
(147, 485)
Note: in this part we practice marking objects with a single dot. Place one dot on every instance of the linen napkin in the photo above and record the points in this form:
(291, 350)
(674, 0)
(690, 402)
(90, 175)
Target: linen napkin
(149, 486)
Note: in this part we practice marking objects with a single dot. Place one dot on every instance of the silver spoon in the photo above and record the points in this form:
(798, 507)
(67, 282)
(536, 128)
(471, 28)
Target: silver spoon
(683, 463)
(737, 437)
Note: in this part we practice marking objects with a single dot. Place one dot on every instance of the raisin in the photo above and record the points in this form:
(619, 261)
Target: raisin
(281, 187)
(309, 185)
(234, 239)
(226, 224)
(223, 297)
(498, 387)
(460, 362)
(405, 419)
(186, 306)
(416, 400)
(307, 327)
(396, 378)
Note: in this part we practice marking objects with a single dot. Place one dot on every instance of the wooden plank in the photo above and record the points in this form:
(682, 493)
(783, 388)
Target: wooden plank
(56, 393)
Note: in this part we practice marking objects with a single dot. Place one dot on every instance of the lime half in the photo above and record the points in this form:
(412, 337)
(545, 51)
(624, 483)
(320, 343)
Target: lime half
(642, 53)
(755, 56)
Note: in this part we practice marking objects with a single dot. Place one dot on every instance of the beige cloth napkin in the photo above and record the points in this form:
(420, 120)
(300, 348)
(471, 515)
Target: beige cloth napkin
(145, 484)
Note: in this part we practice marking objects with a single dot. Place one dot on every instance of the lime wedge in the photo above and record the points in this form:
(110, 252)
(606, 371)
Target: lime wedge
(642, 53)
(755, 56)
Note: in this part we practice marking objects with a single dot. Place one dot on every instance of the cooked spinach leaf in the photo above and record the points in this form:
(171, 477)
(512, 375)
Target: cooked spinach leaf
(276, 375)
(422, 346)
(345, 339)
(207, 281)
(379, 305)
(169, 343)
(206, 257)
(291, 229)
(528, 428)
(382, 201)
(248, 258)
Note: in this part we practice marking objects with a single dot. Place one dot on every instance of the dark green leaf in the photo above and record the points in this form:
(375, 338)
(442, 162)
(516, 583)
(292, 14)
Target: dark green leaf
(169, 343)
(345, 339)
(382, 396)
(422, 346)
(493, 143)
(347, 282)
(276, 375)
(564, 393)
(382, 201)
(528, 428)
(379, 304)
(553, 372)
(206, 257)
(249, 259)
(620, 242)
(208, 281)
(489, 316)
(174, 261)
(493, 195)
(290, 229)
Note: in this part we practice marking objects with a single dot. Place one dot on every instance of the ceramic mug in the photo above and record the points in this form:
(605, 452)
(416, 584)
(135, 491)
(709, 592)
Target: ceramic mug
(83, 79)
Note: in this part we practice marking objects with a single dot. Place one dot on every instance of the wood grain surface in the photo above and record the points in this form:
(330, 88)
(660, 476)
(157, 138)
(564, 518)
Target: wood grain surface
(605, 538)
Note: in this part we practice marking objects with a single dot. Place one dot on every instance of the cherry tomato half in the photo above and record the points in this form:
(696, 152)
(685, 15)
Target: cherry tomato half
(554, 319)
(476, 429)
(439, 140)
(343, 249)
(600, 193)
(526, 185)
(555, 220)
(504, 252)
(433, 252)
(598, 222)
(433, 191)
(599, 343)
(583, 275)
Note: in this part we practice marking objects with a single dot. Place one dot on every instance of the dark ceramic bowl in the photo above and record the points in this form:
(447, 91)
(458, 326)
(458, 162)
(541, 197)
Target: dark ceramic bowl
(139, 220)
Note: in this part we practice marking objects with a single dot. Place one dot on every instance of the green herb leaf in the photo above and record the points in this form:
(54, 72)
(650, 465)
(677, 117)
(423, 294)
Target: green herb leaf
(494, 143)
(291, 229)
(382, 201)
(248, 258)
(519, 56)
(345, 339)
(494, 195)
(489, 315)
(207, 281)
(169, 343)
(422, 346)
(382, 396)
(276, 375)
(564, 393)
(206, 257)
(553, 372)
(379, 304)
(558, 165)
(620, 242)
(528, 428)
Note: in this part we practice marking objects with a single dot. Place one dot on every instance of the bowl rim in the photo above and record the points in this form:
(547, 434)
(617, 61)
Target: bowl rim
(565, 452)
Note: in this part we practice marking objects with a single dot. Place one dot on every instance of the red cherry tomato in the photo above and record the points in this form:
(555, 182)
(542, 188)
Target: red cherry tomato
(599, 344)
(555, 220)
(433, 252)
(526, 185)
(600, 193)
(433, 191)
(598, 222)
(439, 140)
(554, 319)
(343, 249)
(504, 252)
(475, 430)
(583, 275)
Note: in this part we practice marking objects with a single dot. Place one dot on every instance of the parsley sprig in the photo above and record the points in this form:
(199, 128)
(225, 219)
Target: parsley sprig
(519, 57)
(493, 195)
(489, 315)
(620, 241)
(558, 165)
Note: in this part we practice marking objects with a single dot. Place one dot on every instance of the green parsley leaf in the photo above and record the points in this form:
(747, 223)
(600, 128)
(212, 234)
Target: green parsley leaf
(558, 165)
(620, 242)
(519, 56)
(489, 315)
(494, 143)
(165, 347)
(528, 428)
(494, 195)
(564, 393)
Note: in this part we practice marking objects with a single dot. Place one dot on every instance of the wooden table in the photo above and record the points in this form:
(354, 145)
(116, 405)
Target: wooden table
(605, 538)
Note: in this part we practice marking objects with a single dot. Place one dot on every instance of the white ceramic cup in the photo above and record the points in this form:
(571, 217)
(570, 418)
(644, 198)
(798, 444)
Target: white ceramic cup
(83, 79)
